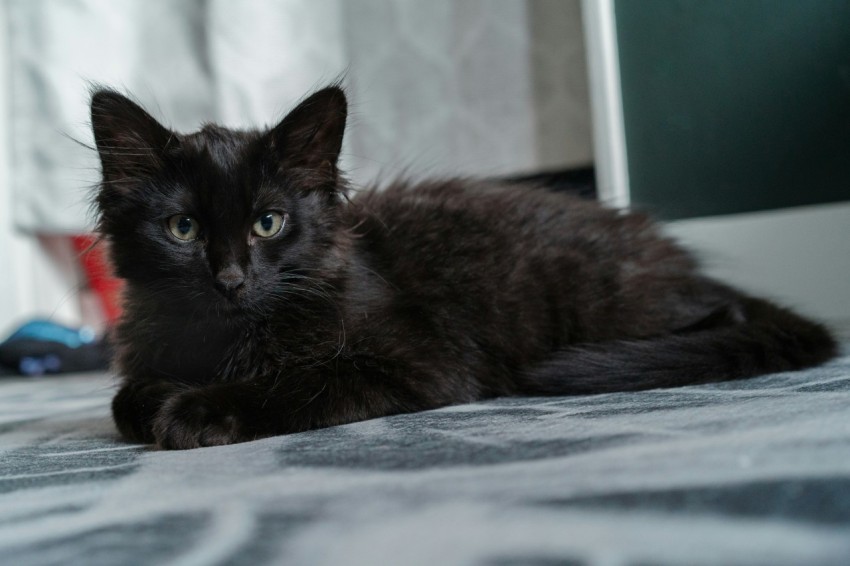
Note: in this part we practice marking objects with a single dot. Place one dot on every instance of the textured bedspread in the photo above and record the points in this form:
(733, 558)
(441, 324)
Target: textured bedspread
(754, 472)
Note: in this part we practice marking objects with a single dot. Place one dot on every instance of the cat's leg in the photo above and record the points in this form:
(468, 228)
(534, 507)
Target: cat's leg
(227, 413)
(136, 404)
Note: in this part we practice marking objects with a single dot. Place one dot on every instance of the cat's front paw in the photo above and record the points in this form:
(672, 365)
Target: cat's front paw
(135, 406)
(198, 418)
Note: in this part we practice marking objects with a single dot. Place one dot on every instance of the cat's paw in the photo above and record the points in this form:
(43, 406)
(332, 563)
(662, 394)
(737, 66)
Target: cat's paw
(197, 418)
(135, 406)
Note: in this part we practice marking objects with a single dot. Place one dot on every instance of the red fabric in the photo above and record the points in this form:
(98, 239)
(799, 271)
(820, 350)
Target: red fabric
(96, 267)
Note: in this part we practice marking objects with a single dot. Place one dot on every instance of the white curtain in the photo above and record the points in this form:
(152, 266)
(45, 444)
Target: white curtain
(481, 87)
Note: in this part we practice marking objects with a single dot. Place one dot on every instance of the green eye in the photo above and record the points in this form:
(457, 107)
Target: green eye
(268, 224)
(183, 227)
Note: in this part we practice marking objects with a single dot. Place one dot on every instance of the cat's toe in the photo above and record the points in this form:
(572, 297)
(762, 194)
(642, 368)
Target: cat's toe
(194, 419)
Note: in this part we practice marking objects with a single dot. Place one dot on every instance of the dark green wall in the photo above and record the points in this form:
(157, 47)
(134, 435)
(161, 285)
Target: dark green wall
(735, 105)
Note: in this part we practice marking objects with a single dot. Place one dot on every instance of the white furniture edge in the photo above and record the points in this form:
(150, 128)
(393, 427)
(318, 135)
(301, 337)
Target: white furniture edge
(609, 134)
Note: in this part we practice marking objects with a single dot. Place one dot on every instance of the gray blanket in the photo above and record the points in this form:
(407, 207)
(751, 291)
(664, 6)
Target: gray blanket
(751, 472)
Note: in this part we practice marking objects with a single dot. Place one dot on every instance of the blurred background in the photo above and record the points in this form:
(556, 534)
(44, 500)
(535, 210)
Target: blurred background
(730, 120)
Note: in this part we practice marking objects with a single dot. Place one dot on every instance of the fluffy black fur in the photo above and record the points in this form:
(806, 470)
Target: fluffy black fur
(414, 297)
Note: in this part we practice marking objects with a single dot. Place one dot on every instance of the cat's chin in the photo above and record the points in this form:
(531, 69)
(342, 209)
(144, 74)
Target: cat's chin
(231, 316)
(228, 307)
(232, 307)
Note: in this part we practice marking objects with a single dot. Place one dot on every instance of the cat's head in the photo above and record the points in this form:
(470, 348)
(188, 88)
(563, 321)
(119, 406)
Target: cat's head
(219, 220)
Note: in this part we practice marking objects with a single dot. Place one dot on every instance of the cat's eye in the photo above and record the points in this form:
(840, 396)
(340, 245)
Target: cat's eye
(268, 224)
(184, 227)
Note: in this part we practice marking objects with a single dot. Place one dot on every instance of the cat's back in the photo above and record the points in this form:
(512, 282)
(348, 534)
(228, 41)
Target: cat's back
(456, 207)
(490, 244)
(460, 217)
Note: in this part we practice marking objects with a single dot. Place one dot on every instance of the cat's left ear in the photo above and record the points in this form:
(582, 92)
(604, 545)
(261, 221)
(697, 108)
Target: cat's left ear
(310, 137)
(131, 143)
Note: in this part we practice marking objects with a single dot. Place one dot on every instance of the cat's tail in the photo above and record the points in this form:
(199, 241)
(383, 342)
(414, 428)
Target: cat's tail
(766, 339)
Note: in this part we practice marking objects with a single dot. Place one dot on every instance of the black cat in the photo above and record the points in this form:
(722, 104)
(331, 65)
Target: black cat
(261, 300)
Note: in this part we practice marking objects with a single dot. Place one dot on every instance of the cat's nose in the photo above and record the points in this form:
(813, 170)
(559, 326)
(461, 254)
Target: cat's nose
(230, 278)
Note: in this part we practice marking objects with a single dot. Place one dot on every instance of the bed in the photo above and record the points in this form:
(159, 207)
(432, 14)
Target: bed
(749, 472)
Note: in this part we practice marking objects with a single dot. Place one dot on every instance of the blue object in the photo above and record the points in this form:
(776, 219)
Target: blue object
(42, 347)
(48, 331)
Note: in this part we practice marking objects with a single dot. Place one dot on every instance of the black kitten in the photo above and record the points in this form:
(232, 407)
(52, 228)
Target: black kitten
(261, 301)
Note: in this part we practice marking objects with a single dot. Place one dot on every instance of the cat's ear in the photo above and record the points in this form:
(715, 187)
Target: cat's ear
(310, 137)
(130, 142)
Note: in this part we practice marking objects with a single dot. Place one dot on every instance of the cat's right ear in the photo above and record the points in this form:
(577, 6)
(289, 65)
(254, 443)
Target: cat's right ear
(130, 142)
